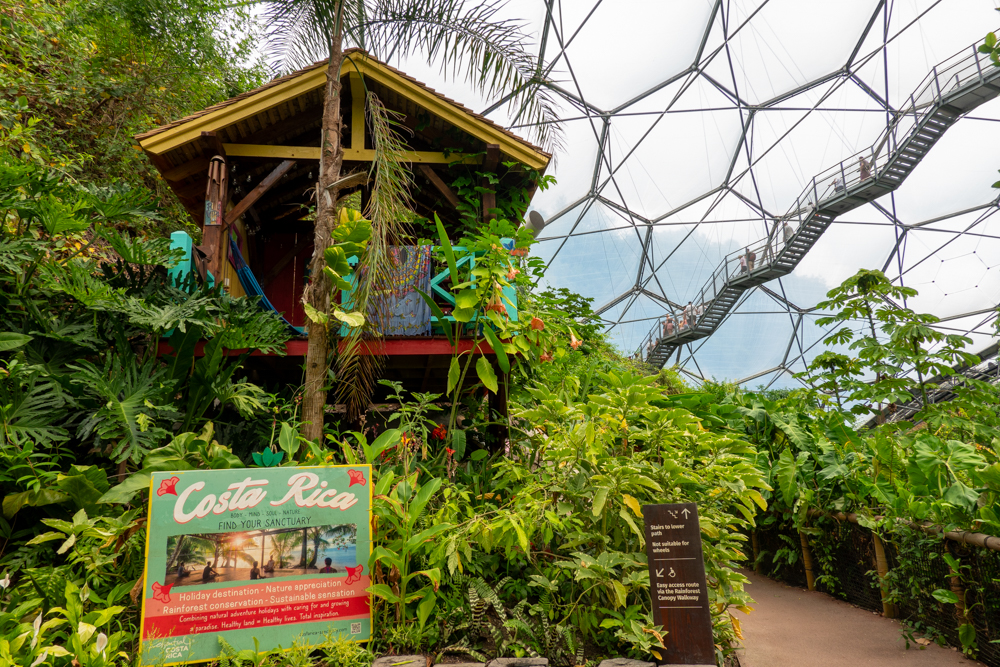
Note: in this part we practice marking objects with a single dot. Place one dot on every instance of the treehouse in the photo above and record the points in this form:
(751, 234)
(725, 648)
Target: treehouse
(246, 171)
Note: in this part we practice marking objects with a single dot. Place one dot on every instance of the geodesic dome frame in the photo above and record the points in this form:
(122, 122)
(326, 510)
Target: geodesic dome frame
(690, 128)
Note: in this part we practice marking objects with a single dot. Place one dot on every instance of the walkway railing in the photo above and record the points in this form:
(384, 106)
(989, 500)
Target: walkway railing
(951, 89)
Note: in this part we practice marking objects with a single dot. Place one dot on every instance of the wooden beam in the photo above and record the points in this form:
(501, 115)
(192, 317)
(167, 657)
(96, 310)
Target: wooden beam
(186, 169)
(214, 143)
(438, 183)
(277, 130)
(357, 112)
(259, 191)
(350, 154)
(492, 157)
(418, 346)
(276, 270)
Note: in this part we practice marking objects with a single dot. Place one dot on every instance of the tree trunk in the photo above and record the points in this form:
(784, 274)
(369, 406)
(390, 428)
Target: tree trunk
(317, 294)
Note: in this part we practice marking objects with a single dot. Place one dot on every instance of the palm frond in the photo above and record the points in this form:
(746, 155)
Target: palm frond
(358, 368)
(470, 43)
(299, 31)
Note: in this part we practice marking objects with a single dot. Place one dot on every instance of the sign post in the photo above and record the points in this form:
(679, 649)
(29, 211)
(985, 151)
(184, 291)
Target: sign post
(276, 555)
(677, 583)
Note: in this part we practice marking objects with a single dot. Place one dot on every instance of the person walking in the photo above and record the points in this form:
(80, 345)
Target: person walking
(864, 168)
(669, 324)
(743, 264)
(751, 256)
(787, 232)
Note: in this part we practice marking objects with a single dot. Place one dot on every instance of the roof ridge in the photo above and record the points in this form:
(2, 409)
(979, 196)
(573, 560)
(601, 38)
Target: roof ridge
(323, 63)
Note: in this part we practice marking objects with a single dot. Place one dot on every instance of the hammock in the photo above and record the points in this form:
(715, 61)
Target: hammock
(251, 286)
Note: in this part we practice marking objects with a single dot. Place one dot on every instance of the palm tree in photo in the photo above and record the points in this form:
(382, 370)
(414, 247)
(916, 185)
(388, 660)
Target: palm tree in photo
(469, 41)
(282, 545)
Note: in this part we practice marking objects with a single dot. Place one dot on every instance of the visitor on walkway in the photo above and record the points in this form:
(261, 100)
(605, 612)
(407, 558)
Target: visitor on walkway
(208, 574)
(787, 232)
(254, 571)
(669, 325)
(864, 168)
(838, 185)
(751, 256)
(743, 264)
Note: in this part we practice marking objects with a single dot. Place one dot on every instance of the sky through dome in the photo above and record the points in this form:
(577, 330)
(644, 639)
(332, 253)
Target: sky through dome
(690, 125)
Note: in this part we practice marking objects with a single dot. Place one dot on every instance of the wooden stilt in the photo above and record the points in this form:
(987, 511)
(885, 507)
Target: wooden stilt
(882, 565)
(807, 561)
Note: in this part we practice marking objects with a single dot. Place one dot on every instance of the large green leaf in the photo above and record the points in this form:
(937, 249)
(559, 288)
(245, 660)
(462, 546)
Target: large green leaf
(449, 253)
(454, 373)
(484, 369)
(786, 471)
(11, 341)
(497, 346)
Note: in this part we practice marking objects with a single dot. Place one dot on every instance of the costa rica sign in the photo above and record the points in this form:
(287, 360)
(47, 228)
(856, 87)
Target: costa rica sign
(276, 555)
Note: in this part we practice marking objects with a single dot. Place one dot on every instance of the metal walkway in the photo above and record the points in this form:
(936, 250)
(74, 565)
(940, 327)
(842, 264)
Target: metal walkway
(953, 88)
(946, 387)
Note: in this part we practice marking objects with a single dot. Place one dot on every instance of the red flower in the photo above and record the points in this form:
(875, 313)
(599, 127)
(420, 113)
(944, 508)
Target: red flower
(357, 477)
(161, 592)
(512, 273)
(439, 433)
(547, 356)
(519, 252)
(574, 343)
(449, 451)
(537, 324)
(354, 574)
(168, 486)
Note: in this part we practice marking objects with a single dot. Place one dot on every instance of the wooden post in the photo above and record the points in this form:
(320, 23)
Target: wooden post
(882, 565)
(215, 203)
(757, 567)
(955, 583)
(807, 561)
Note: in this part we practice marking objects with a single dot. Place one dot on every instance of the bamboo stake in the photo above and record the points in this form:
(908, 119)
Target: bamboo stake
(807, 561)
(882, 564)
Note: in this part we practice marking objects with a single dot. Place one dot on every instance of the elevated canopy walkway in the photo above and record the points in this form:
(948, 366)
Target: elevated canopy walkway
(951, 89)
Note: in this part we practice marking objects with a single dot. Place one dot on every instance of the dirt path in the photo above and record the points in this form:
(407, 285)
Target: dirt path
(791, 627)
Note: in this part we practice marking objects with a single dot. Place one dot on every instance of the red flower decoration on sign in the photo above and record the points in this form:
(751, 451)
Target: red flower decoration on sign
(354, 574)
(357, 477)
(168, 486)
(161, 592)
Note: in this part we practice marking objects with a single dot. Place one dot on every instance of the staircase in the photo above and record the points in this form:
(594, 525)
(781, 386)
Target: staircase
(949, 91)
(944, 388)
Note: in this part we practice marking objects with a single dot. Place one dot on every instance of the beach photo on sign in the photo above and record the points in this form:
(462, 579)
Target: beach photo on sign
(207, 558)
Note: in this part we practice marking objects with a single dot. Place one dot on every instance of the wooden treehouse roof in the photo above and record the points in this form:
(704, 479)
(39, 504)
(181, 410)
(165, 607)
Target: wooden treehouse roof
(280, 121)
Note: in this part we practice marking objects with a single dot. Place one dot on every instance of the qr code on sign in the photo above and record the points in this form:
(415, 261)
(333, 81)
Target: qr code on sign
(355, 628)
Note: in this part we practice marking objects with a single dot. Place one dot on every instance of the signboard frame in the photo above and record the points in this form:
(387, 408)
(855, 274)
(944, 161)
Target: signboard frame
(186, 611)
(678, 587)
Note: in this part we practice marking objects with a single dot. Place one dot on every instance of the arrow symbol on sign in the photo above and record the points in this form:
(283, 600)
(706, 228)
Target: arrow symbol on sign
(685, 512)
(659, 572)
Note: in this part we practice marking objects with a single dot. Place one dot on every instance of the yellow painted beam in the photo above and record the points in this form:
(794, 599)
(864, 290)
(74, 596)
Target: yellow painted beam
(357, 111)
(366, 155)
(233, 113)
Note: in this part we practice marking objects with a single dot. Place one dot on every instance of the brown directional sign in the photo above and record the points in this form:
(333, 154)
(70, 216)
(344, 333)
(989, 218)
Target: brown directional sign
(677, 583)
